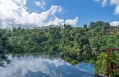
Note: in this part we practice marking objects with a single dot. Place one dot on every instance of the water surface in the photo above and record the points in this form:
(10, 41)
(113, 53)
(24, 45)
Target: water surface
(40, 66)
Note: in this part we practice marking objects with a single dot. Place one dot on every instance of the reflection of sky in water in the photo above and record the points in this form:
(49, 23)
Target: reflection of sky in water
(40, 67)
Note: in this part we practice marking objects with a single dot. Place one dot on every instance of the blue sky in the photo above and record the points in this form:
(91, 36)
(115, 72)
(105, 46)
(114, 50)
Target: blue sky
(85, 10)
(35, 13)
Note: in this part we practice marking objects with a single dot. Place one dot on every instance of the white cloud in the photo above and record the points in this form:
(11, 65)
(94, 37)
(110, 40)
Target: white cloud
(13, 13)
(40, 4)
(116, 11)
(104, 2)
(114, 23)
(56, 22)
(72, 22)
(61, 22)
(111, 2)
(115, 3)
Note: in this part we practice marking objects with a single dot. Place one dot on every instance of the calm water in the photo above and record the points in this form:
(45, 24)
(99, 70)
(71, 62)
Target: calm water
(40, 66)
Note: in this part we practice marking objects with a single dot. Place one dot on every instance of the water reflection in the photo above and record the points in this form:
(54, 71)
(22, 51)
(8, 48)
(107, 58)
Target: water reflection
(40, 66)
(4, 60)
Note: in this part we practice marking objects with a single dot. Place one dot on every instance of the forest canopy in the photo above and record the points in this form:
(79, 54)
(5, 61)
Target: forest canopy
(76, 43)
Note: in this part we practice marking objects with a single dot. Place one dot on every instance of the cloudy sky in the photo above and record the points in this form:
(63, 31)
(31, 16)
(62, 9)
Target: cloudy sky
(37, 13)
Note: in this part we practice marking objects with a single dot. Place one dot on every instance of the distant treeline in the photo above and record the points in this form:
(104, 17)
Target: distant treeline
(76, 43)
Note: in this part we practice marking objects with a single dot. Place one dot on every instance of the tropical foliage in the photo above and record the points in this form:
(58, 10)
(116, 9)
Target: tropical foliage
(76, 43)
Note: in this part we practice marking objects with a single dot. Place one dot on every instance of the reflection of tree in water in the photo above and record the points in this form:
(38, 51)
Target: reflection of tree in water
(37, 55)
(4, 60)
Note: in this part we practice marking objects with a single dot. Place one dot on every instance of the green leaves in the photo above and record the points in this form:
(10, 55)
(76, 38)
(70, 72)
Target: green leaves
(101, 64)
(77, 44)
(114, 59)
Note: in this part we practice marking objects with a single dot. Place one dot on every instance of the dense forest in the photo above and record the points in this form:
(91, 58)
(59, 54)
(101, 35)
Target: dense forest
(77, 44)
